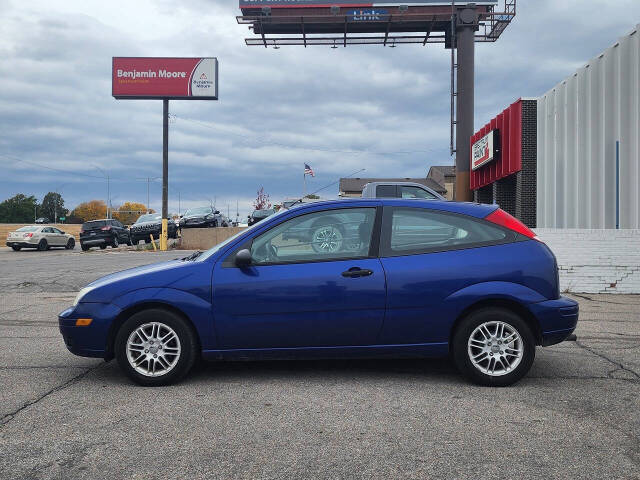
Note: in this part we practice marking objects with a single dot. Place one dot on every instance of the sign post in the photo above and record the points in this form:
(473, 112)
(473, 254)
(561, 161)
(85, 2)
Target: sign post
(146, 78)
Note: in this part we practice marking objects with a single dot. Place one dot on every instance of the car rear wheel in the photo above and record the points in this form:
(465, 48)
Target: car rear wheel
(155, 347)
(43, 245)
(16, 248)
(103, 246)
(71, 244)
(84, 247)
(493, 347)
(115, 243)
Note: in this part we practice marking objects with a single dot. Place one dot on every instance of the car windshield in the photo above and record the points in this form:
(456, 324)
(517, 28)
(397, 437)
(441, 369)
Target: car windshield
(213, 250)
(27, 229)
(198, 211)
(148, 218)
(263, 213)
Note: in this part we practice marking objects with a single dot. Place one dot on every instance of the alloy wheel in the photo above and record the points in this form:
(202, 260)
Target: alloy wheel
(153, 349)
(495, 348)
(327, 239)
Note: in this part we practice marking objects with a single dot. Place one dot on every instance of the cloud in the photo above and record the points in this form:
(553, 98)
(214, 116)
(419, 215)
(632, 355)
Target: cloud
(386, 110)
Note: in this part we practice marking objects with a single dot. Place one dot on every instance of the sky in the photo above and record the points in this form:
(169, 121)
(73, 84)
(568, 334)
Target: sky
(339, 110)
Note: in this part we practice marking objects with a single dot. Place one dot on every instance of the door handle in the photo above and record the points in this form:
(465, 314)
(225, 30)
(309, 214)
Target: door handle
(357, 272)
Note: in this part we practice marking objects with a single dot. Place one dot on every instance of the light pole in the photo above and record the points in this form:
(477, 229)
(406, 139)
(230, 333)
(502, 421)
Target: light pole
(106, 175)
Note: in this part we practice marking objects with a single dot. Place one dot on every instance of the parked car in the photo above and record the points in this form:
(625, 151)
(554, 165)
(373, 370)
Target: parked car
(259, 215)
(203, 217)
(428, 279)
(42, 220)
(103, 234)
(40, 237)
(151, 224)
(399, 190)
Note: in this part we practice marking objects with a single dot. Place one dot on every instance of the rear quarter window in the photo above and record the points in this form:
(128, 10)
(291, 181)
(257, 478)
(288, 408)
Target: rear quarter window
(411, 231)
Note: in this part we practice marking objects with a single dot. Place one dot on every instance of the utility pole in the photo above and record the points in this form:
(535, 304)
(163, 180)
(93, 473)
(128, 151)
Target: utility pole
(466, 26)
(148, 203)
(165, 174)
(179, 209)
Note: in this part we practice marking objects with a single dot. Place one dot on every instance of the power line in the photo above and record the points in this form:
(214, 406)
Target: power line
(303, 147)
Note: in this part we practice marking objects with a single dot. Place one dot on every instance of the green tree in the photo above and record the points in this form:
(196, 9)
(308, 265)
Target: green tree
(18, 209)
(52, 206)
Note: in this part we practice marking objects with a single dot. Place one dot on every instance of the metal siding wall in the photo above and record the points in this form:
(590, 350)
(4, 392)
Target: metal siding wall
(579, 122)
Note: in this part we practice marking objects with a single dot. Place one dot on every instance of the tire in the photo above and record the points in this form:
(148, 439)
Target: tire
(85, 248)
(43, 245)
(134, 241)
(147, 240)
(115, 243)
(16, 248)
(176, 365)
(103, 246)
(480, 335)
(71, 244)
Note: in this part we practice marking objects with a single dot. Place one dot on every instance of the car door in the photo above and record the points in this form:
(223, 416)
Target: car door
(314, 281)
(58, 237)
(427, 256)
(48, 235)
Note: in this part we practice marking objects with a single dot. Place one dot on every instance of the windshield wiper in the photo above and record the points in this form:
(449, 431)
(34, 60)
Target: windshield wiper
(193, 256)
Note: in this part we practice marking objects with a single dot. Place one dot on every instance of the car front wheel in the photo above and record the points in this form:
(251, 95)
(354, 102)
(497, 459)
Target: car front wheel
(115, 243)
(71, 244)
(493, 347)
(155, 347)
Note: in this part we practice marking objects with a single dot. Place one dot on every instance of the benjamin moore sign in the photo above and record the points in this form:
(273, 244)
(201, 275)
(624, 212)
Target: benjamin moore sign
(170, 78)
(324, 3)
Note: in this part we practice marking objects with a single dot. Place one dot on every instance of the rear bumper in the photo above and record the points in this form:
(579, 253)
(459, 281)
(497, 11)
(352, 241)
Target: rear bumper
(11, 243)
(91, 240)
(557, 319)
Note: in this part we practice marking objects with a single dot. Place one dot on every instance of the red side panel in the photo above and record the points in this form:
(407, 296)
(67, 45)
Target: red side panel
(509, 159)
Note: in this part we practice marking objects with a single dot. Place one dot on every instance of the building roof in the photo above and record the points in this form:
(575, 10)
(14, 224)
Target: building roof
(439, 173)
(356, 185)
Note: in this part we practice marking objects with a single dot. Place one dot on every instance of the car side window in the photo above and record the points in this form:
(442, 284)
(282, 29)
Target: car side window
(46, 230)
(55, 230)
(319, 236)
(415, 192)
(386, 191)
(411, 231)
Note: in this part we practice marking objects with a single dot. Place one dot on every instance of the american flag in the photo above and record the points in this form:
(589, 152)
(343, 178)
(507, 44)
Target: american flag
(308, 170)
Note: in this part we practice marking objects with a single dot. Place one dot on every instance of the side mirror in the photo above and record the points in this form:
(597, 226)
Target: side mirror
(217, 212)
(243, 258)
(63, 232)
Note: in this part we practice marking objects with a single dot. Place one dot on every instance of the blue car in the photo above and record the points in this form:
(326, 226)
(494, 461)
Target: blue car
(417, 279)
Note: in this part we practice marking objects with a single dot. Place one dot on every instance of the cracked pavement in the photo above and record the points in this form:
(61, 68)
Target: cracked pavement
(576, 415)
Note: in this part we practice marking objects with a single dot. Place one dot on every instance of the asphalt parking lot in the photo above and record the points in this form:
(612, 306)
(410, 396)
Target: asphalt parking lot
(576, 415)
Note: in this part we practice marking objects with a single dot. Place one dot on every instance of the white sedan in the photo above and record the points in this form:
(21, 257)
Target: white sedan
(40, 237)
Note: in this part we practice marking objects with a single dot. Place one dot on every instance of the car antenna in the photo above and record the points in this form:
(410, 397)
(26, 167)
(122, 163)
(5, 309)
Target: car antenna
(325, 187)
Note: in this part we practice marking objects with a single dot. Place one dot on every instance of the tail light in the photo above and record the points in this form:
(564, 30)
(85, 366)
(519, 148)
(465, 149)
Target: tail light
(28, 235)
(502, 218)
(107, 228)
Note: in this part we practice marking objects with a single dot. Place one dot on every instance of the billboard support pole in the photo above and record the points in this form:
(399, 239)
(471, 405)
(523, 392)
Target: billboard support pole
(466, 25)
(165, 174)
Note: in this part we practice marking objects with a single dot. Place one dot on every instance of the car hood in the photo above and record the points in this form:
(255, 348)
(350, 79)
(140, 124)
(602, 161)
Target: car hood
(145, 224)
(174, 274)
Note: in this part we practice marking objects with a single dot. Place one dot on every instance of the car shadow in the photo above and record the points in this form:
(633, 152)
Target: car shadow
(317, 369)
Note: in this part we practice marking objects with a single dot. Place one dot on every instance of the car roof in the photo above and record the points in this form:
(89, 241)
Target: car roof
(466, 208)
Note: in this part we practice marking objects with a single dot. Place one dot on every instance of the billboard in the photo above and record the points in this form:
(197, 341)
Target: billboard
(324, 3)
(137, 78)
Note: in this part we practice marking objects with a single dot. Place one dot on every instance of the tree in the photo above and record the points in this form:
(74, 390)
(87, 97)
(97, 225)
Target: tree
(93, 210)
(52, 206)
(18, 209)
(262, 201)
(129, 212)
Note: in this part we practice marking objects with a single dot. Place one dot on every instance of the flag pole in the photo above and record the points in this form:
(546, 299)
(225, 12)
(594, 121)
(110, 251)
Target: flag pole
(304, 192)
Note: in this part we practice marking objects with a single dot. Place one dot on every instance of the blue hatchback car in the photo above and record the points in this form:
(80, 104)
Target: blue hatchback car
(369, 278)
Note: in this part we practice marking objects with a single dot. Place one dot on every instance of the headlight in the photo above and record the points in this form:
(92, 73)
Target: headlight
(81, 294)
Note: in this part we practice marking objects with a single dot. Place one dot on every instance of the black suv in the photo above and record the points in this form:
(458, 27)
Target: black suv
(151, 224)
(103, 233)
(203, 217)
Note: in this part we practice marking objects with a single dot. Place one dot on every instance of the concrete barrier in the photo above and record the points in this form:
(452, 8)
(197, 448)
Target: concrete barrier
(205, 238)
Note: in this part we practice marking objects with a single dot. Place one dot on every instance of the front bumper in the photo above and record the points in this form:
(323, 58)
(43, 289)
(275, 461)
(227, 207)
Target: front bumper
(557, 319)
(90, 341)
